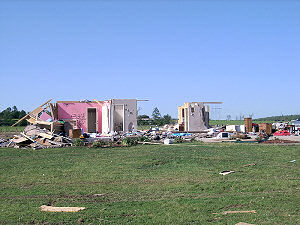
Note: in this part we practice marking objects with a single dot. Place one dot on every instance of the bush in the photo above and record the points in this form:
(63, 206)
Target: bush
(258, 138)
(129, 141)
(143, 139)
(178, 140)
(98, 144)
(193, 139)
(78, 142)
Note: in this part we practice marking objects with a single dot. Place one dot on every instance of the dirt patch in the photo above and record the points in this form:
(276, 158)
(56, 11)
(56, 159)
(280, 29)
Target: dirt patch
(234, 206)
(279, 141)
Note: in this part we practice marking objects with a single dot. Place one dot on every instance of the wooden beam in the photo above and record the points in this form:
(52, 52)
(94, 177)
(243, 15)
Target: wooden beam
(24, 135)
(74, 102)
(46, 208)
(207, 102)
(51, 110)
(34, 111)
(20, 120)
(98, 102)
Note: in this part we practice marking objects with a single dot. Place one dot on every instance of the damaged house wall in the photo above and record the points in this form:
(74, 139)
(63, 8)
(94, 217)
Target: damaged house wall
(123, 115)
(103, 117)
(193, 116)
(85, 115)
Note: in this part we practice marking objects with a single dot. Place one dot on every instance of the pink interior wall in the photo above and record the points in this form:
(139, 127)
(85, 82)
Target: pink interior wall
(78, 111)
(45, 116)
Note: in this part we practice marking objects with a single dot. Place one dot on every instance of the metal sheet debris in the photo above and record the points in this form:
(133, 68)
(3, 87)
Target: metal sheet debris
(226, 172)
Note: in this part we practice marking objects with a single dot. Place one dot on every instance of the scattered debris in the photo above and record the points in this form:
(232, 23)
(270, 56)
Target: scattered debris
(37, 138)
(223, 135)
(80, 220)
(168, 141)
(63, 123)
(293, 160)
(46, 208)
(226, 172)
(251, 164)
(232, 212)
(99, 195)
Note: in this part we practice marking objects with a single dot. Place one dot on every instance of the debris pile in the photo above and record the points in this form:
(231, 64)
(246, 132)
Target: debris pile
(36, 138)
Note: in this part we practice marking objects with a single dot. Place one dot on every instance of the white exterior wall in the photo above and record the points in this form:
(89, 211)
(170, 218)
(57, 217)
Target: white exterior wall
(242, 128)
(195, 121)
(105, 118)
(130, 114)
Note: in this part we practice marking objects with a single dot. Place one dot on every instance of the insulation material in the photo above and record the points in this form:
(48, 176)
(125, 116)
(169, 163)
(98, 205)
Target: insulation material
(46, 117)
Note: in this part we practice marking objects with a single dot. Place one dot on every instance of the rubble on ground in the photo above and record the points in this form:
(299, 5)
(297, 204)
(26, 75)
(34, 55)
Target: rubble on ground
(36, 138)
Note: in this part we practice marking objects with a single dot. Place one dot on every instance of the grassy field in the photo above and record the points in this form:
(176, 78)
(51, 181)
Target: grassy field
(175, 184)
(11, 129)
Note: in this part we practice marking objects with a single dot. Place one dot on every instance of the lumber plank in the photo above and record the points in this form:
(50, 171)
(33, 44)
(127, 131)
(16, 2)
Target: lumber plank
(24, 117)
(46, 208)
(24, 135)
(44, 135)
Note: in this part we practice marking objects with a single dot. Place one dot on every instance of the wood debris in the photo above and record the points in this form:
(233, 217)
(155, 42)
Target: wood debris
(251, 164)
(233, 212)
(37, 138)
(46, 208)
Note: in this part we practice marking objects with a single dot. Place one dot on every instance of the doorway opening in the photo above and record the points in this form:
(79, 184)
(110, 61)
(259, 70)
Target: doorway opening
(118, 118)
(91, 120)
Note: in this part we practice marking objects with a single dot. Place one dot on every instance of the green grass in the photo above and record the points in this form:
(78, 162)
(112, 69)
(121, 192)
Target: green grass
(11, 129)
(175, 184)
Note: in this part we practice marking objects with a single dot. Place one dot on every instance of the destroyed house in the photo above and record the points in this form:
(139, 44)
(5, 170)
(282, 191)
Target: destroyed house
(194, 116)
(115, 115)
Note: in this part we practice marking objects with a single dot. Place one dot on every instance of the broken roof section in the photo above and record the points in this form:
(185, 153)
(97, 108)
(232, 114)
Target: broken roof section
(41, 115)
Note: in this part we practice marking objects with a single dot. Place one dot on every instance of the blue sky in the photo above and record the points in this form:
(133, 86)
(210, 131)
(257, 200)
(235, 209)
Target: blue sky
(244, 53)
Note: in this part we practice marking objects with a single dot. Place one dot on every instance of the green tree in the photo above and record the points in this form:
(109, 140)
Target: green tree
(143, 120)
(167, 119)
(156, 114)
(10, 115)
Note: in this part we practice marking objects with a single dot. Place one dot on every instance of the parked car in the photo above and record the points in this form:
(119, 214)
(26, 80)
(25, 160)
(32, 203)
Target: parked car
(282, 133)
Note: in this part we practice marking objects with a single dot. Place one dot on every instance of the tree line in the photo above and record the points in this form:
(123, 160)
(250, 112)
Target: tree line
(279, 118)
(11, 115)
